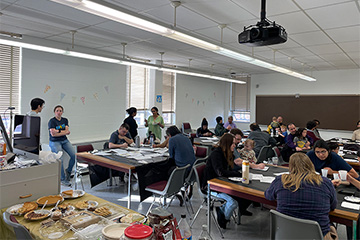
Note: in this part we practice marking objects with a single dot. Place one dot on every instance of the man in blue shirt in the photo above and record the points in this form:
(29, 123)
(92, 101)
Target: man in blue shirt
(323, 158)
(180, 148)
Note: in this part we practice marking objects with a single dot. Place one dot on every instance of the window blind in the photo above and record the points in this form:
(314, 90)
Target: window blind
(9, 77)
(241, 95)
(138, 87)
(168, 95)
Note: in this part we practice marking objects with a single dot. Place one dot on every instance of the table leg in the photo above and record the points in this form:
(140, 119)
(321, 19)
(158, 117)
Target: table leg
(354, 229)
(110, 174)
(129, 190)
(208, 210)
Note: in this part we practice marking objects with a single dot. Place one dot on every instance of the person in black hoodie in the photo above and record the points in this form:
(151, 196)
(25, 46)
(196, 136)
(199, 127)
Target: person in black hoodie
(131, 122)
(204, 131)
(221, 164)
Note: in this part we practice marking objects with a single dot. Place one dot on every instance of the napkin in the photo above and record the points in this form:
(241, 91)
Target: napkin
(350, 205)
(267, 179)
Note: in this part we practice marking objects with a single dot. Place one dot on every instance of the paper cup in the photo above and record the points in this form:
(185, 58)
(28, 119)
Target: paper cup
(336, 176)
(324, 172)
(275, 160)
(342, 174)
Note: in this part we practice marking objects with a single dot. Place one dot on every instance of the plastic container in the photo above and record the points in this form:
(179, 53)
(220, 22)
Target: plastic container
(184, 228)
(138, 232)
(137, 141)
(245, 171)
(204, 234)
(151, 141)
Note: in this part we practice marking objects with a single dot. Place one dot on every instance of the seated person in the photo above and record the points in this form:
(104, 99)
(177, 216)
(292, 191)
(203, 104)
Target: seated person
(121, 138)
(334, 147)
(147, 140)
(230, 123)
(282, 135)
(301, 140)
(290, 147)
(220, 129)
(220, 164)
(164, 144)
(261, 138)
(204, 131)
(247, 153)
(273, 126)
(310, 127)
(322, 157)
(304, 194)
(316, 131)
(180, 147)
(356, 133)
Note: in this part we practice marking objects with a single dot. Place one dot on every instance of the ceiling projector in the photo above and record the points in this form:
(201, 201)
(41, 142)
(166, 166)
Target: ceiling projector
(263, 33)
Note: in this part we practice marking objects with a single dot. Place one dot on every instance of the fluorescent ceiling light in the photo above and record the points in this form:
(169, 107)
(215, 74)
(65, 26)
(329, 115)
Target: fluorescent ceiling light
(113, 12)
(113, 60)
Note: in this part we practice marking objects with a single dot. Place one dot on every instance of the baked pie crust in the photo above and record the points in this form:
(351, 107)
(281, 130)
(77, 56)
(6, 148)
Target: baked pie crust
(52, 200)
(27, 207)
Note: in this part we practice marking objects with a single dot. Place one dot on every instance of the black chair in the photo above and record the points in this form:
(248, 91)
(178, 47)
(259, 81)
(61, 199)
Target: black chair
(199, 170)
(106, 145)
(265, 153)
(168, 188)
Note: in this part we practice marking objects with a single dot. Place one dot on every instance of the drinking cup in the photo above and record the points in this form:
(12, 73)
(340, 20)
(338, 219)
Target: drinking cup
(324, 172)
(343, 174)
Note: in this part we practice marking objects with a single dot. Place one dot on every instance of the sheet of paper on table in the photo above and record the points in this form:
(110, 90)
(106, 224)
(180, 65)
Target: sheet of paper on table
(267, 179)
(264, 169)
(350, 205)
(119, 151)
(278, 174)
(256, 176)
(102, 153)
(350, 160)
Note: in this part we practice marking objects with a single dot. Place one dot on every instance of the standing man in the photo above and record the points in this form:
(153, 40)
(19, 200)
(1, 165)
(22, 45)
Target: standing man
(230, 124)
(260, 138)
(37, 105)
(121, 138)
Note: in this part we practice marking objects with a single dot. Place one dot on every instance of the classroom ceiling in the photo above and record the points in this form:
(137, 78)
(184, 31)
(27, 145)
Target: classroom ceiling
(322, 34)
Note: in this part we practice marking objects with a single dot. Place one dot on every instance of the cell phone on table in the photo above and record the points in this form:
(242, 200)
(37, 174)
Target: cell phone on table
(347, 192)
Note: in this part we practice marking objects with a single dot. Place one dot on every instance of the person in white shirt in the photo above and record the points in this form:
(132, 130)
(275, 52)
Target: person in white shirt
(37, 105)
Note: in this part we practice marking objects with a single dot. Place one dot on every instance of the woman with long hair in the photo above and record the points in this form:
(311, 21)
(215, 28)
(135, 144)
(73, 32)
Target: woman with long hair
(220, 164)
(304, 194)
(155, 123)
(58, 129)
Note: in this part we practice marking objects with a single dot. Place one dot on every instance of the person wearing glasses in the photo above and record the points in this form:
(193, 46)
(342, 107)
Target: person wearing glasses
(155, 123)
(37, 105)
(323, 158)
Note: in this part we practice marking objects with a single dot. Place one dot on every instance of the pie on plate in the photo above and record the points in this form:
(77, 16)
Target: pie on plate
(22, 208)
(87, 204)
(72, 194)
(133, 217)
(51, 200)
(34, 216)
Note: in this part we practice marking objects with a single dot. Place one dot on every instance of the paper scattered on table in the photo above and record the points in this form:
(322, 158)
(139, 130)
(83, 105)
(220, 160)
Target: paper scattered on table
(236, 179)
(133, 148)
(350, 205)
(207, 141)
(281, 173)
(256, 176)
(119, 151)
(102, 153)
(350, 160)
(267, 179)
(264, 169)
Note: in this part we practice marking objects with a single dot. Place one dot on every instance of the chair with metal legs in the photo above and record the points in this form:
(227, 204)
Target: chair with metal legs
(198, 170)
(81, 168)
(168, 188)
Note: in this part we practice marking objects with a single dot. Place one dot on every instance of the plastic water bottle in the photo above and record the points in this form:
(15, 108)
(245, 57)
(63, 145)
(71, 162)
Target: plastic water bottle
(151, 141)
(204, 234)
(184, 228)
(137, 141)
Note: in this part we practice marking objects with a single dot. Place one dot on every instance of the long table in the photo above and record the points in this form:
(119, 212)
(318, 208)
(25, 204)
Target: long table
(118, 163)
(34, 226)
(255, 192)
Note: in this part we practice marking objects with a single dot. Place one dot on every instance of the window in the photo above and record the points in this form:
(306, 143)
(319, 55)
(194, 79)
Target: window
(9, 80)
(138, 88)
(168, 98)
(240, 101)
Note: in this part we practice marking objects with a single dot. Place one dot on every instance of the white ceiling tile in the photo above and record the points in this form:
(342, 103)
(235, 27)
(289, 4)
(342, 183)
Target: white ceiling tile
(311, 38)
(309, 59)
(140, 6)
(325, 49)
(344, 64)
(345, 34)
(339, 15)
(296, 22)
(334, 57)
(273, 7)
(222, 12)
(354, 55)
(20, 30)
(305, 4)
(192, 21)
(296, 52)
(215, 34)
(61, 11)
